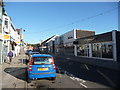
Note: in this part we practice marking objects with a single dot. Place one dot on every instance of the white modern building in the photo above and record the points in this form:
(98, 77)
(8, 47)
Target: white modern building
(103, 46)
(64, 43)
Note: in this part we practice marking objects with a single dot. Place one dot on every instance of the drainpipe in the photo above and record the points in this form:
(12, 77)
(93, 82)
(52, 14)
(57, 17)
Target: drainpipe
(114, 45)
(90, 50)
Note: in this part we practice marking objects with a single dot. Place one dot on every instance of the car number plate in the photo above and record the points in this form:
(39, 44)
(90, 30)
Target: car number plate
(42, 69)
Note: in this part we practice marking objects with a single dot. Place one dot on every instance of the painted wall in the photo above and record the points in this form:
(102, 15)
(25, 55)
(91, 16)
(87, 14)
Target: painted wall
(68, 37)
(0, 32)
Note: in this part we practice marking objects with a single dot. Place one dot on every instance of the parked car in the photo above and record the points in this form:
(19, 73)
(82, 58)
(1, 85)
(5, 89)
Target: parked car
(41, 66)
(28, 51)
(31, 53)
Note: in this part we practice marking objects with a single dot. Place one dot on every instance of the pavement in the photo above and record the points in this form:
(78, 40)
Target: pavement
(13, 75)
(108, 64)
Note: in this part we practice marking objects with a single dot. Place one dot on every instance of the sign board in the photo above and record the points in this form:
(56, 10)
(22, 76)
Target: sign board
(18, 42)
(6, 36)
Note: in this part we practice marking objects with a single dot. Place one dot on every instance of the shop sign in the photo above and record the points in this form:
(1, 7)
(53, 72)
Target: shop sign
(6, 36)
(18, 42)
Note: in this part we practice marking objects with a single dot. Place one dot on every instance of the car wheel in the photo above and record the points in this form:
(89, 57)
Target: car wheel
(53, 78)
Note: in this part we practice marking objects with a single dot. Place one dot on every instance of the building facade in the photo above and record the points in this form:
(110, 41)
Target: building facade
(9, 36)
(103, 46)
(51, 44)
(47, 46)
(1, 14)
(64, 43)
(13, 42)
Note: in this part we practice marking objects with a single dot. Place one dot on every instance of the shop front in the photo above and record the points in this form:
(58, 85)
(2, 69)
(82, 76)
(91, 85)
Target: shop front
(103, 46)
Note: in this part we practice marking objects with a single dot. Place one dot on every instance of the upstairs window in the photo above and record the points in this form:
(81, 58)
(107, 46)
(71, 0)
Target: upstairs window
(6, 24)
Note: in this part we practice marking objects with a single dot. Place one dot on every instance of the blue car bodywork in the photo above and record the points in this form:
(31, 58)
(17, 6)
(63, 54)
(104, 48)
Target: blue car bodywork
(42, 70)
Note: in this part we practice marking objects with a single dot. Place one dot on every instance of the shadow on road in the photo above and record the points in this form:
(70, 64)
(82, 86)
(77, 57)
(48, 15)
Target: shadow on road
(18, 72)
(88, 72)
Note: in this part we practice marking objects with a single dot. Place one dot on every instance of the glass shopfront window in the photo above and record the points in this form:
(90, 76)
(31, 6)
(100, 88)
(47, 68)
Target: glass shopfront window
(102, 50)
(107, 50)
(83, 50)
(96, 50)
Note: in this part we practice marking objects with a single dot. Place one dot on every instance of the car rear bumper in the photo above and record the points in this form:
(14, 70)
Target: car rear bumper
(41, 75)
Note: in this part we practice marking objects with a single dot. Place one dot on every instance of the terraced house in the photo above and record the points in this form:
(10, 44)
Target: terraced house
(1, 13)
(10, 37)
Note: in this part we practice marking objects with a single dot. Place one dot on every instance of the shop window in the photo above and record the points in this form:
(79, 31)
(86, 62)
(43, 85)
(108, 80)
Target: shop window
(96, 50)
(102, 50)
(83, 50)
(107, 50)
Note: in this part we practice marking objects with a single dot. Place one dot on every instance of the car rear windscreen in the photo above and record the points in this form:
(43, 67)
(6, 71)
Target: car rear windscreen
(42, 60)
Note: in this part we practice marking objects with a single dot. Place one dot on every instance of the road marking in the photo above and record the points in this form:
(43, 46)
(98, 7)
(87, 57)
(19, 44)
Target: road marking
(78, 79)
(86, 67)
(108, 79)
(72, 78)
(83, 85)
(75, 78)
(68, 58)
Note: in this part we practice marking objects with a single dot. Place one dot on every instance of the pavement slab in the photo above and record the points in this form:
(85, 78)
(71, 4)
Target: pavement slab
(13, 75)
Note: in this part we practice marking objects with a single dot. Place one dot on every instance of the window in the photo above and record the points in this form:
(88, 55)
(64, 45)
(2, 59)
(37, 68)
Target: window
(107, 50)
(83, 50)
(96, 50)
(6, 24)
(102, 50)
(42, 60)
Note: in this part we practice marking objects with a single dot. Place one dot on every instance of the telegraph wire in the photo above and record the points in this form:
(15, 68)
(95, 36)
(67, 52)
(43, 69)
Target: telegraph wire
(82, 20)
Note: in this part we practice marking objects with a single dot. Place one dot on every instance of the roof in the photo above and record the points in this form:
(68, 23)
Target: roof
(49, 39)
(41, 55)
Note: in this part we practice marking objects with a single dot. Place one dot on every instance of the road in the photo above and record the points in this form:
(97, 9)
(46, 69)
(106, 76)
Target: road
(73, 74)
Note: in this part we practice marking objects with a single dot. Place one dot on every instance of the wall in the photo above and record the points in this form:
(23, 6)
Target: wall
(68, 37)
(0, 19)
(0, 32)
(84, 33)
(6, 27)
(97, 46)
(118, 45)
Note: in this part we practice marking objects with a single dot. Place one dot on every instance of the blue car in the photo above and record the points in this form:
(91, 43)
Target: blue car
(41, 66)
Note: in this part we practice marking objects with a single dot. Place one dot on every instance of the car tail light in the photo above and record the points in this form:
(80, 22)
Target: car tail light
(54, 67)
(30, 65)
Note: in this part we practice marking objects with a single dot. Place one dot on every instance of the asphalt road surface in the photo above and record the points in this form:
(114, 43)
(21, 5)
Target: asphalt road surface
(79, 75)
